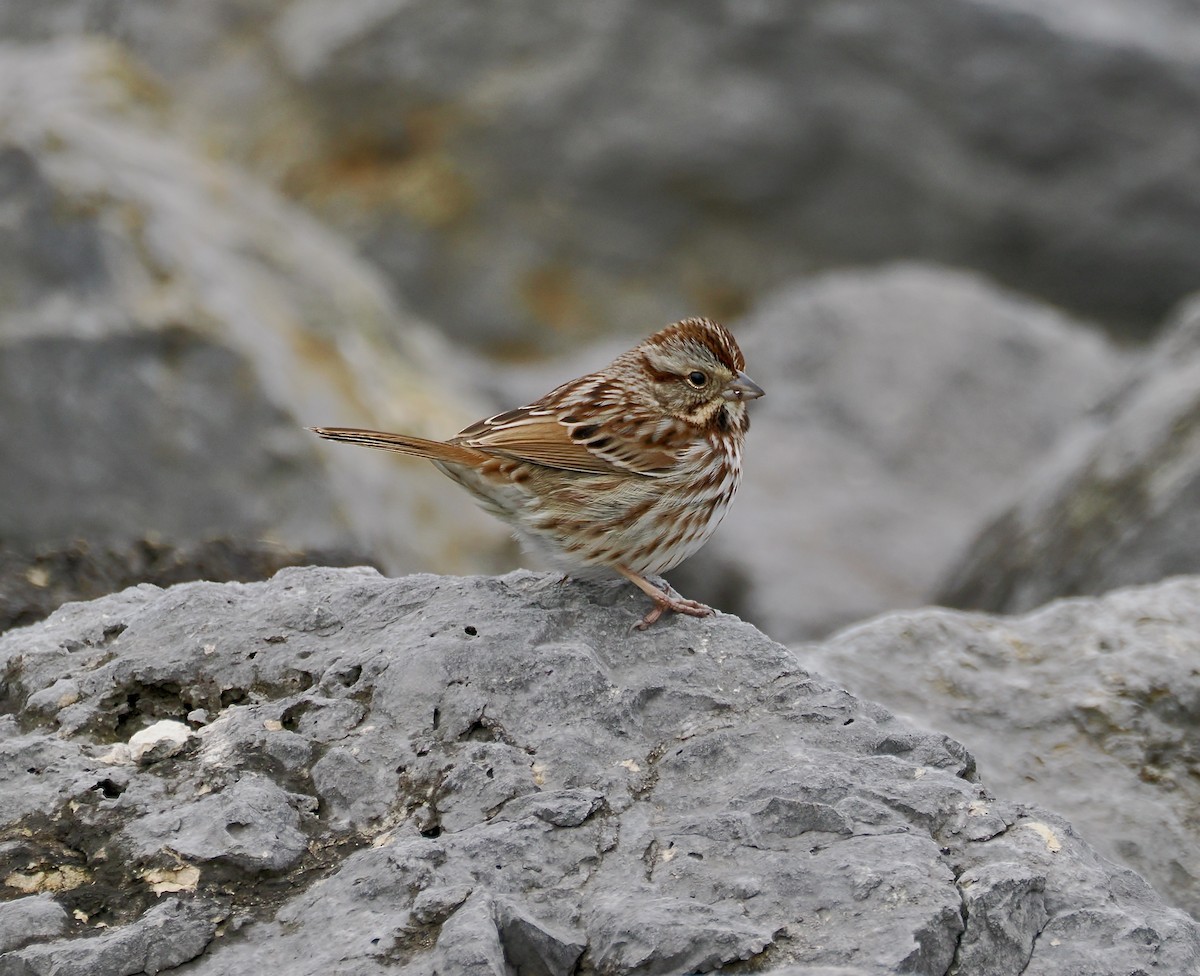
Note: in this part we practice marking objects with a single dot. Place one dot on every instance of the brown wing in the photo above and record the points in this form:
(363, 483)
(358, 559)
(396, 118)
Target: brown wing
(544, 437)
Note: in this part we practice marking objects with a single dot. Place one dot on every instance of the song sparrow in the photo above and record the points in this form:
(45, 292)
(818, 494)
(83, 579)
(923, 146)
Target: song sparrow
(628, 469)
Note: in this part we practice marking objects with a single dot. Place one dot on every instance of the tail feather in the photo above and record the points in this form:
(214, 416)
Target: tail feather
(403, 444)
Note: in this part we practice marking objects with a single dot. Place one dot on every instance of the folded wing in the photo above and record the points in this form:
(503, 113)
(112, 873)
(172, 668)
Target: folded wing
(598, 445)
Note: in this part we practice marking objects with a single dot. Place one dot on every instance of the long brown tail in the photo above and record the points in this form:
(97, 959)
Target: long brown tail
(403, 444)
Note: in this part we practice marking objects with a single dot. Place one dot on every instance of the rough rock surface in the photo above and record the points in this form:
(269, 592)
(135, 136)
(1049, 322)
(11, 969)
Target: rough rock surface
(525, 168)
(904, 406)
(167, 326)
(1118, 504)
(476, 776)
(1087, 706)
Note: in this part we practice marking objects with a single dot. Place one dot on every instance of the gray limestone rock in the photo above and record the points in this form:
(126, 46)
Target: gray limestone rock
(1005, 912)
(1087, 706)
(539, 788)
(250, 825)
(166, 936)
(1118, 504)
(32, 918)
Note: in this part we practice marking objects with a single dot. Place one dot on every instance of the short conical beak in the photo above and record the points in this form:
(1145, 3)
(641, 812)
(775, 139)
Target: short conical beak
(742, 388)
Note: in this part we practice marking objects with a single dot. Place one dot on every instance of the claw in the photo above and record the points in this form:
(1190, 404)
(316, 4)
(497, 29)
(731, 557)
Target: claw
(663, 601)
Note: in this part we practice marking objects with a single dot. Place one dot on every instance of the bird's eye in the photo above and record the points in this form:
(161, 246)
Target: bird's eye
(697, 379)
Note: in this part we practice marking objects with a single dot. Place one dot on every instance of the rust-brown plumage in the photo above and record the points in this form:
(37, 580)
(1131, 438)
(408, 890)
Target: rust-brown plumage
(628, 469)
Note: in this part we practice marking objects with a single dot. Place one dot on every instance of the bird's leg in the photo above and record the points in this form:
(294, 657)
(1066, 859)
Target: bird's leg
(663, 600)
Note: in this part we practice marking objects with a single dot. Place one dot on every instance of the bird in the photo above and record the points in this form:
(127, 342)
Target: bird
(626, 470)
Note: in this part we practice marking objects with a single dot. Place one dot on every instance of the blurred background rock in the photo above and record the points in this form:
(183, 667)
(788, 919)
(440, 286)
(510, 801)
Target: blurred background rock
(223, 221)
(956, 240)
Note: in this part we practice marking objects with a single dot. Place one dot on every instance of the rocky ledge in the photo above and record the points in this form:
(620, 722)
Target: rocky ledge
(334, 772)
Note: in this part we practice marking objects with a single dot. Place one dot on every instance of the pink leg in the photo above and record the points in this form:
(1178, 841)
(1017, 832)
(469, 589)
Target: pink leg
(663, 601)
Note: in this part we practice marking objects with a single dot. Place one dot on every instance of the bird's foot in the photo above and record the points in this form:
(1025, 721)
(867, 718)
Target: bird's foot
(665, 598)
(676, 605)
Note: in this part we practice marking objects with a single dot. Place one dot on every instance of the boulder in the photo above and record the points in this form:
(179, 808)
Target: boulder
(1118, 503)
(1087, 706)
(482, 775)
(531, 172)
(904, 407)
(167, 327)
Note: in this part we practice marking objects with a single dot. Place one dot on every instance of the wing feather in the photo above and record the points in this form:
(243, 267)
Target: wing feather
(542, 440)
(544, 437)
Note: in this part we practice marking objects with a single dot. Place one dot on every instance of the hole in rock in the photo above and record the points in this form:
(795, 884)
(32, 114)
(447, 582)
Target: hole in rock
(481, 730)
(470, 631)
(290, 719)
(434, 831)
(437, 717)
(109, 789)
(127, 711)
(236, 827)
(146, 703)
